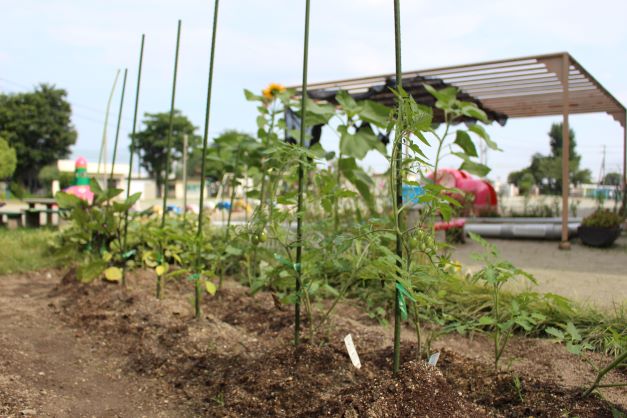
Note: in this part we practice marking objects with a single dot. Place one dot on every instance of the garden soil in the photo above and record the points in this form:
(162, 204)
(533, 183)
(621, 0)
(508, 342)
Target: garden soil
(98, 350)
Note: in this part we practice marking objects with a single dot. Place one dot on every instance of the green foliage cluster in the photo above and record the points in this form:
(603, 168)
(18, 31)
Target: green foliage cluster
(349, 245)
(603, 218)
(8, 159)
(545, 171)
(151, 142)
(38, 126)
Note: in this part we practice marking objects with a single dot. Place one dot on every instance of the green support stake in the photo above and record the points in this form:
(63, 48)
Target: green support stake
(132, 150)
(117, 129)
(399, 193)
(168, 150)
(301, 176)
(205, 139)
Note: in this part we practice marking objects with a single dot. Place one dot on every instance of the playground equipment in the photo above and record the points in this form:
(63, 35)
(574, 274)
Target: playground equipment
(480, 192)
(81, 188)
(480, 198)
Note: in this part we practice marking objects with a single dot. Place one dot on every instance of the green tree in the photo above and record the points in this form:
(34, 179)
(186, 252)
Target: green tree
(38, 125)
(50, 173)
(612, 179)
(8, 159)
(547, 169)
(526, 182)
(151, 142)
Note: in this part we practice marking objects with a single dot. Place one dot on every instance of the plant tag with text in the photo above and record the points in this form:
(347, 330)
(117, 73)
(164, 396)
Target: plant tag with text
(433, 359)
(352, 352)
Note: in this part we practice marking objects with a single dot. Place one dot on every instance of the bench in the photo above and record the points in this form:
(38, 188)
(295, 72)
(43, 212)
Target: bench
(32, 216)
(13, 219)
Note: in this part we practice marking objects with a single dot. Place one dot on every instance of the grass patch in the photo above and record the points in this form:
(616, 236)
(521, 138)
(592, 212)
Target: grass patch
(26, 250)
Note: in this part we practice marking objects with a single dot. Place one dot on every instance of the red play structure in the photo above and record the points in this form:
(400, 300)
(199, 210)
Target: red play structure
(481, 192)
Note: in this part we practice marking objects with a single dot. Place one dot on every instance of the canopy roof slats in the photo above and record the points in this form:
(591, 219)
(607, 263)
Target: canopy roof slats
(518, 87)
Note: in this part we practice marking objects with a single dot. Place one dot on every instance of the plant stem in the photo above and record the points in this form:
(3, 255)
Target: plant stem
(497, 331)
(117, 129)
(301, 176)
(399, 189)
(205, 139)
(132, 150)
(168, 151)
(617, 361)
(336, 209)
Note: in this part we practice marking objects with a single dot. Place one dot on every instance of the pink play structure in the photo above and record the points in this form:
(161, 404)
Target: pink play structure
(81, 188)
(485, 198)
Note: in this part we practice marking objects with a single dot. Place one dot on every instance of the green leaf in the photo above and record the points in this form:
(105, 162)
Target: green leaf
(357, 145)
(67, 201)
(210, 287)
(472, 110)
(161, 269)
(347, 102)
(475, 168)
(573, 331)
(251, 97)
(113, 274)
(465, 143)
(375, 113)
(487, 320)
(479, 130)
(555, 332)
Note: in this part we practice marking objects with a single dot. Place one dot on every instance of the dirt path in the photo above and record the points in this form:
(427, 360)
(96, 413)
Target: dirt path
(48, 369)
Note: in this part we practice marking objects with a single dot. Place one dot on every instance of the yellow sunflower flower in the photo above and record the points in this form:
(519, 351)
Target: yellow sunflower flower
(272, 90)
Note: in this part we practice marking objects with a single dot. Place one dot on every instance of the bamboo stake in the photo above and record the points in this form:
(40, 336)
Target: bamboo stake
(199, 234)
(132, 150)
(168, 150)
(301, 176)
(117, 129)
(102, 157)
(399, 190)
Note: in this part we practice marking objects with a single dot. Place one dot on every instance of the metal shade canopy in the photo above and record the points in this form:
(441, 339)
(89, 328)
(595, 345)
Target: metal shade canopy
(540, 85)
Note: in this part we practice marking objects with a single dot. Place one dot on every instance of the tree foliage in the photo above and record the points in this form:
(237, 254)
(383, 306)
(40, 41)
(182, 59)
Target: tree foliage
(151, 142)
(546, 170)
(38, 125)
(8, 159)
(612, 179)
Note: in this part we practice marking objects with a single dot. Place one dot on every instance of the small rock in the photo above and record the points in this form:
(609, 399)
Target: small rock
(28, 412)
(41, 374)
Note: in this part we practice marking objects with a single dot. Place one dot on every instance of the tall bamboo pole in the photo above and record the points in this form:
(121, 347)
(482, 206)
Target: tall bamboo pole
(103, 146)
(117, 129)
(185, 145)
(205, 138)
(132, 149)
(168, 150)
(399, 190)
(301, 176)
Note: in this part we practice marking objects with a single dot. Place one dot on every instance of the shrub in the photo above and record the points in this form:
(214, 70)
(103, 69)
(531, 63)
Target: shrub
(603, 218)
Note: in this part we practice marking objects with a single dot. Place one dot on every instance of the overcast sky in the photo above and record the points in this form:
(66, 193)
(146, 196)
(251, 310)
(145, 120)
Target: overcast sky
(79, 45)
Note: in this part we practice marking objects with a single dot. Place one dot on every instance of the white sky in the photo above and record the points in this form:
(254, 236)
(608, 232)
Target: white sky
(78, 45)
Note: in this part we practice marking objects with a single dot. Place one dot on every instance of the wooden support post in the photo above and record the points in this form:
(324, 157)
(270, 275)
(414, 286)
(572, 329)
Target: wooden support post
(565, 244)
(624, 208)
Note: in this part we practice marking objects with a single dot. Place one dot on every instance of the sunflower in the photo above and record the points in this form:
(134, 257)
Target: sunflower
(272, 90)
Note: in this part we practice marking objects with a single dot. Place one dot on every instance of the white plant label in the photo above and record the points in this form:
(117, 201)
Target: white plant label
(352, 352)
(433, 359)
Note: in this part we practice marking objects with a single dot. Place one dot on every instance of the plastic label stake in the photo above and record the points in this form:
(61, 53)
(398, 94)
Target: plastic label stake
(352, 352)
(433, 359)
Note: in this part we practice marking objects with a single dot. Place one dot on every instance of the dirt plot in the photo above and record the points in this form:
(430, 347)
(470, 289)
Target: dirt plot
(100, 350)
(589, 275)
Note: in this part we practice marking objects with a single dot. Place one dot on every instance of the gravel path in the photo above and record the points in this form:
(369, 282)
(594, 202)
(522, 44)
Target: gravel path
(588, 275)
